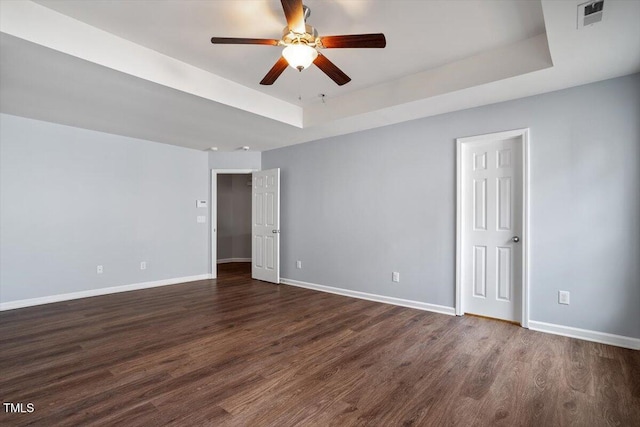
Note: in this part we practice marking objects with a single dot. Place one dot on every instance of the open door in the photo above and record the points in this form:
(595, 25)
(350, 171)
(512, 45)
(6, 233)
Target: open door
(265, 226)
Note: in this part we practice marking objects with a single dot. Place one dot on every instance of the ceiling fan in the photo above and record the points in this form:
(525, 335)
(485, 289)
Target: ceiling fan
(302, 45)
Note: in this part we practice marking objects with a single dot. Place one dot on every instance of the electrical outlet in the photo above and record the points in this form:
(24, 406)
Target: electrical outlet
(143, 265)
(395, 276)
(298, 264)
(99, 269)
(563, 297)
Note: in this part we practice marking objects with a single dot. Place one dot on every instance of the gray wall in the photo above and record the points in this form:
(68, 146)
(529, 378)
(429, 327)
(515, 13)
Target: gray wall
(71, 199)
(235, 160)
(355, 208)
(234, 216)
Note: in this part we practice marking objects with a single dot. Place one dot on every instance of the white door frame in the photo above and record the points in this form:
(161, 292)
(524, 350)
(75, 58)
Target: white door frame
(523, 134)
(213, 241)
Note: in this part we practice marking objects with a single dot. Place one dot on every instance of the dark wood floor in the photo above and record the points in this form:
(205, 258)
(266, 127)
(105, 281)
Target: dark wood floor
(239, 352)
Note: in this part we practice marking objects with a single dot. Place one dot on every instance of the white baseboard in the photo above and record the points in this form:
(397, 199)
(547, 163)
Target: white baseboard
(227, 260)
(11, 305)
(372, 297)
(585, 334)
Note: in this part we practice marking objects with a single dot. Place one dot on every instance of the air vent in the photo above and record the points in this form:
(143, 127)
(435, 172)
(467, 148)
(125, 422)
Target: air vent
(590, 13)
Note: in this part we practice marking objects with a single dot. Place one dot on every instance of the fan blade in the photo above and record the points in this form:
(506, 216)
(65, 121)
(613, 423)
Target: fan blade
(329, 68)
(295, 15)
(355, 40)
(275, 72)
(233, 40)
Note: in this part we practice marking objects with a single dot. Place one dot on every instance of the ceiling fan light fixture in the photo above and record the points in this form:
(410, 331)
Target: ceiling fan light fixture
(299, 55)
(302, 44)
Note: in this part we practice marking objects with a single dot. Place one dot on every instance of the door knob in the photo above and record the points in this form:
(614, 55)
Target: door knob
(275, 231)
(515, 239)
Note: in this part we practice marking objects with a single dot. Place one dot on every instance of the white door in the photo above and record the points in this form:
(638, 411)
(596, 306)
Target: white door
(265, 228)
(492, 225)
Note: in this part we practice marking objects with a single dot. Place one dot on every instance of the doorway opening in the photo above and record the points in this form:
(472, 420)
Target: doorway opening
(230, 217)
(233, 218)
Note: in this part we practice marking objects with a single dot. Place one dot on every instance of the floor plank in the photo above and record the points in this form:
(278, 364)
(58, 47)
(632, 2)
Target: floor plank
(237, 352)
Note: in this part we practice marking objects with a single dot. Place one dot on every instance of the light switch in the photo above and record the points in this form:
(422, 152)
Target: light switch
(201, 219)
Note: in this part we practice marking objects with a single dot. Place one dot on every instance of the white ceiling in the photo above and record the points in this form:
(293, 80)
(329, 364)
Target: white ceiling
(147, 69)
(418, 37)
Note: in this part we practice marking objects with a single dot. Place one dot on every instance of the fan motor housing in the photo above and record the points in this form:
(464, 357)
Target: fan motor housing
(310, 37)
